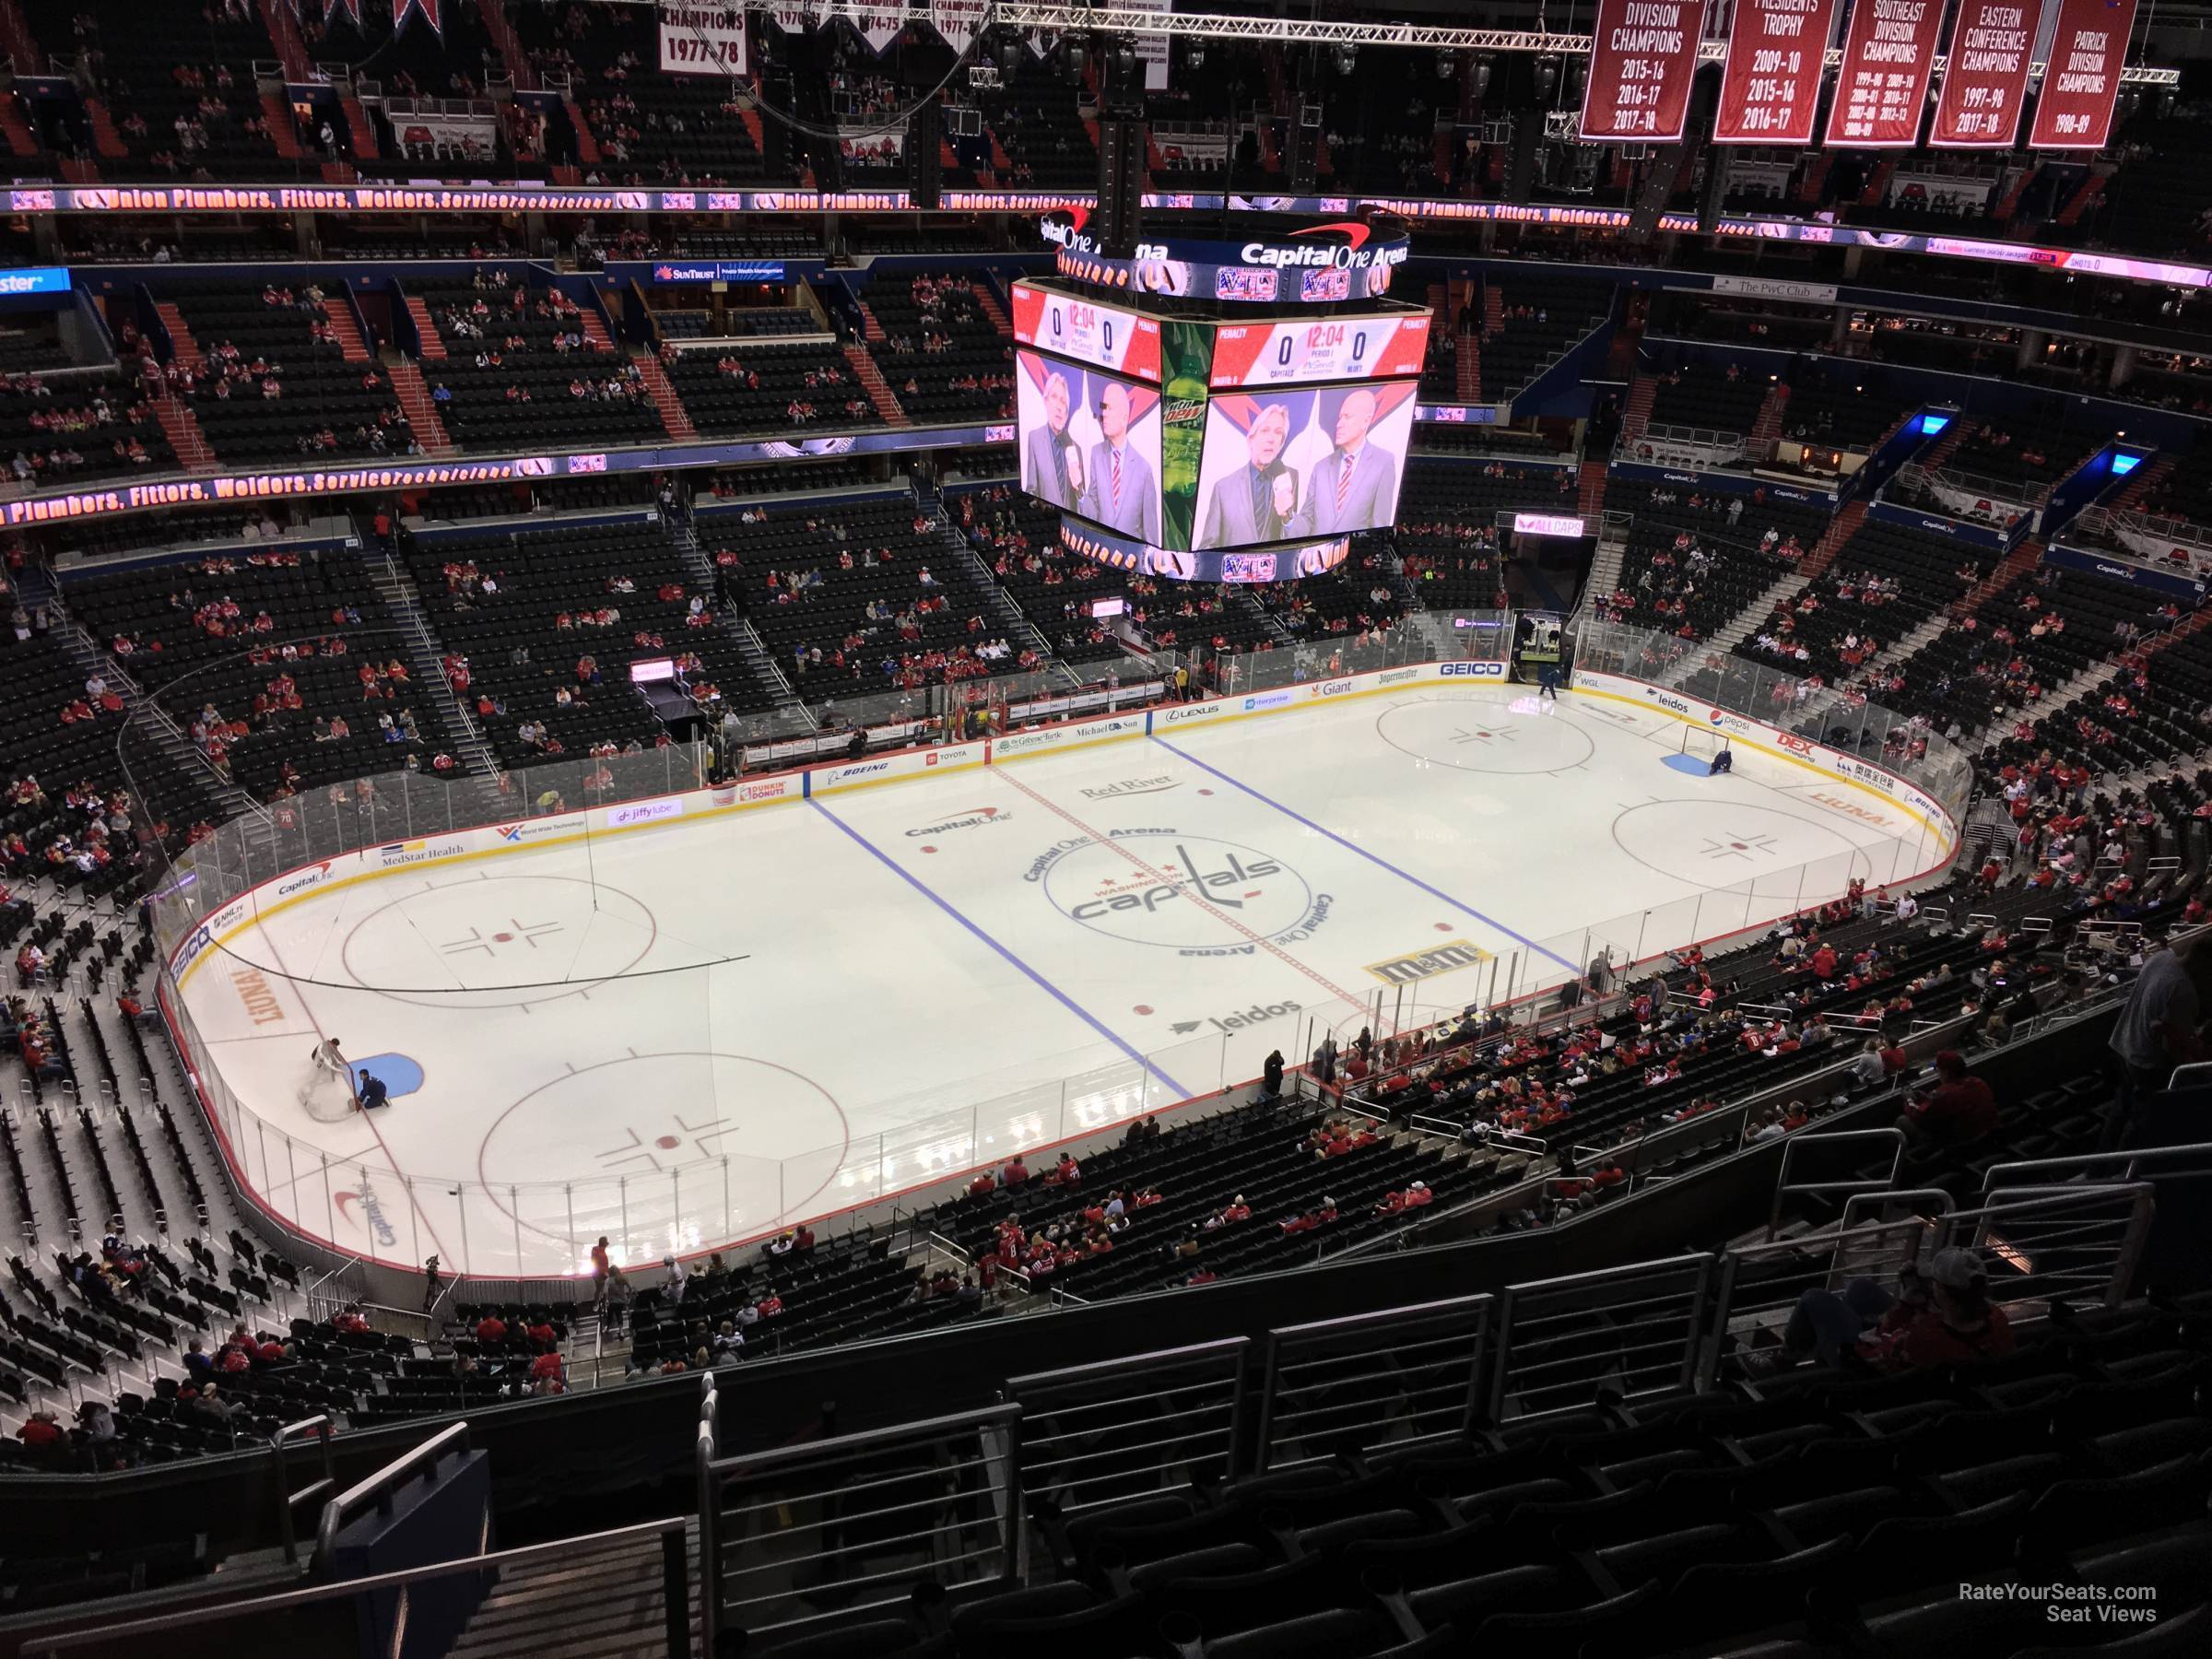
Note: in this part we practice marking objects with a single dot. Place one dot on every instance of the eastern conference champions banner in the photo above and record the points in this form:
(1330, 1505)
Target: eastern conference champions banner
(1985, 74)
(2081, 81)
(1882, 88)
(1643, 56)
(1777, 54)
(701, 40)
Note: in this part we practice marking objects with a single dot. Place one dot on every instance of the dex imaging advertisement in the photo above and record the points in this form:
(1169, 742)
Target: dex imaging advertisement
(1293, 465)
(1089, 443)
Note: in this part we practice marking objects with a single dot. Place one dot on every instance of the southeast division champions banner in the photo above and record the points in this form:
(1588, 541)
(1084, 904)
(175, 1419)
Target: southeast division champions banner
(1985, 74)
(1882, 88)
(1643, 55)
(1770, 89)
(701, 40)
(2081, 82)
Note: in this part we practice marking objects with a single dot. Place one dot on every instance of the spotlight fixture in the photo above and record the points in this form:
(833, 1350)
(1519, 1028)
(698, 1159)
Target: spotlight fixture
(1347, 56)
(1445, 63)
(1010, 55)
(1194, 56)
(1547, 77)
(1483, 66)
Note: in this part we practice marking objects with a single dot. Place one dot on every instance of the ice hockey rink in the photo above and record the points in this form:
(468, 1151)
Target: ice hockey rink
(691, 1034)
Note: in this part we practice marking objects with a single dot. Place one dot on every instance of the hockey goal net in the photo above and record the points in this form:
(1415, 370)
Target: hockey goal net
(1703, 742)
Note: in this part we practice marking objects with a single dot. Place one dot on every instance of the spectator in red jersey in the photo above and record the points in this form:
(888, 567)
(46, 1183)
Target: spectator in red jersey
(1016, 1173)
(1959, 1109)
(351, 1321)
(491, 1330)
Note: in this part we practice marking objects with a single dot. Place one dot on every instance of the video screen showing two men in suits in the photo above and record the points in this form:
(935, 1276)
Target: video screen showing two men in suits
(1301, 465)
(1089, 443)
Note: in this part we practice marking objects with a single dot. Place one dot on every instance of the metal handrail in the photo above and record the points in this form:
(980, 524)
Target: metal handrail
(286, 1501)
(379, 1487)
(1791, 1145)
(161, 1624)
(2125, 1165)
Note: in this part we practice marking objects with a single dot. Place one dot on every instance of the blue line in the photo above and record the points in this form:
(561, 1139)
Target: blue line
(1370, 857)
(1035, 978)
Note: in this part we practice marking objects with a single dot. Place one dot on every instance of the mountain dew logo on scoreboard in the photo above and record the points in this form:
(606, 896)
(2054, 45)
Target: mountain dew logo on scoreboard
(1186, 360)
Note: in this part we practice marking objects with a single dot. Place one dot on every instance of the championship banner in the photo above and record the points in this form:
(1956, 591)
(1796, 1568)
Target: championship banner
(1985, 74)
(879, 25)
(701, 40)
(1103, 335)
(1770, 89)
(959, 21)
(1307, 353)
(1882, 88)
(426, 9)
(1643, 55)
(2081, 80)
(1152, 49)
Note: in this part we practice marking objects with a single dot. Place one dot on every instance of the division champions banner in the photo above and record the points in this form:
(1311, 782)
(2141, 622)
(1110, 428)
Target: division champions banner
(1643, 55)
(1882, 88)
(2081, 82)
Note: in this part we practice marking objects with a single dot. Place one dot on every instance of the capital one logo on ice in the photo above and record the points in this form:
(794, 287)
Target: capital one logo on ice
(371, 1218)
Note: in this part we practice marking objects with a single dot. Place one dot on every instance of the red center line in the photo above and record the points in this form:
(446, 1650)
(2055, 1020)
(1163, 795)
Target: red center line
(1190, 890)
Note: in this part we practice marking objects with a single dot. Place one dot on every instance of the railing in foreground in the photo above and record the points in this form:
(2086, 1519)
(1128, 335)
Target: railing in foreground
(947, 1503)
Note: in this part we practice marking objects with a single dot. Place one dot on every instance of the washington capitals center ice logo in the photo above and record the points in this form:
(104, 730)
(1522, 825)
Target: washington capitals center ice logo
(1749, 848)
(515, 933)
(1191, 894)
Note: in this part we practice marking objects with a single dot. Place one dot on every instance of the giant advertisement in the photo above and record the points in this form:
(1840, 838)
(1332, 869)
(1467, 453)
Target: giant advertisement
(701, 40)
(1105, 336)
(1643, 55)
(1296, 466)
(1985, 74)
(1882, 87)
(1309, 353)
(1088, 444)
(1770, 89)
(2081, 80)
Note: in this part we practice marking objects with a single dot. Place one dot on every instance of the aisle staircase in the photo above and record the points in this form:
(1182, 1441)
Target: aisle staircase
(684, 536)
(284, 132)
(22, 140)
(1469, 369)
(988, 299)
(414, 396)
(1590, 492)
(2010, 569)
(878, 388)
(432, 343)
(587, 142)
(674, 416)
(352, 349)
(361, 131)
(397, 590)
(282, 24)
(107, 137)
(19, 42)
(2146, 479)
(183, 429)
(1766, 430)
(606, 1601)
(186, 350)
(520, 69)
(1841, 529)
(1638, 414)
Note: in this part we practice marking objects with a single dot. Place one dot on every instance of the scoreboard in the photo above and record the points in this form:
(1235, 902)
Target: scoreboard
(1075, 325)
(1312, 351)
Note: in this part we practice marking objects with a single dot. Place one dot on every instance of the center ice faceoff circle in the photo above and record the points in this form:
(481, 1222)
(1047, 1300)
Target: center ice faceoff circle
(1191, 893)
(1468, 736)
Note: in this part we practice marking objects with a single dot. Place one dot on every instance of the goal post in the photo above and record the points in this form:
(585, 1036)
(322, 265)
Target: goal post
(1702, 742)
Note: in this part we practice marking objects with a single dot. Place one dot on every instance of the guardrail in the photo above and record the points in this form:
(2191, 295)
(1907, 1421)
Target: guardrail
(379, 1488)
(287, 1501)
(1180, 1413)
(1399, 1378)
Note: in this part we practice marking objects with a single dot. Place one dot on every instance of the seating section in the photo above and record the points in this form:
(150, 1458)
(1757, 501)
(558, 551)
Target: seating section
(648, 128)
(771, 386)
(945, 358)
(1536, 324)
(64, 429)
(539, 628)
(526, 368)
(1446, 535)
(1704, 399)
(1021, 543)
(186, 102)
(1697, 559)
(1360, 596)
(275, 385)
(1039, 124)
(2029, 456)
(1884, 582)
(297, 676)
(862, 596)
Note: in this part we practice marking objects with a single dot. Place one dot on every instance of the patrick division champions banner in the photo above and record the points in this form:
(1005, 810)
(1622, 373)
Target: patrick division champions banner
(1643, 55)
(2081, 82)
(1777, 53)
(1985, 74)
(1882, 88)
